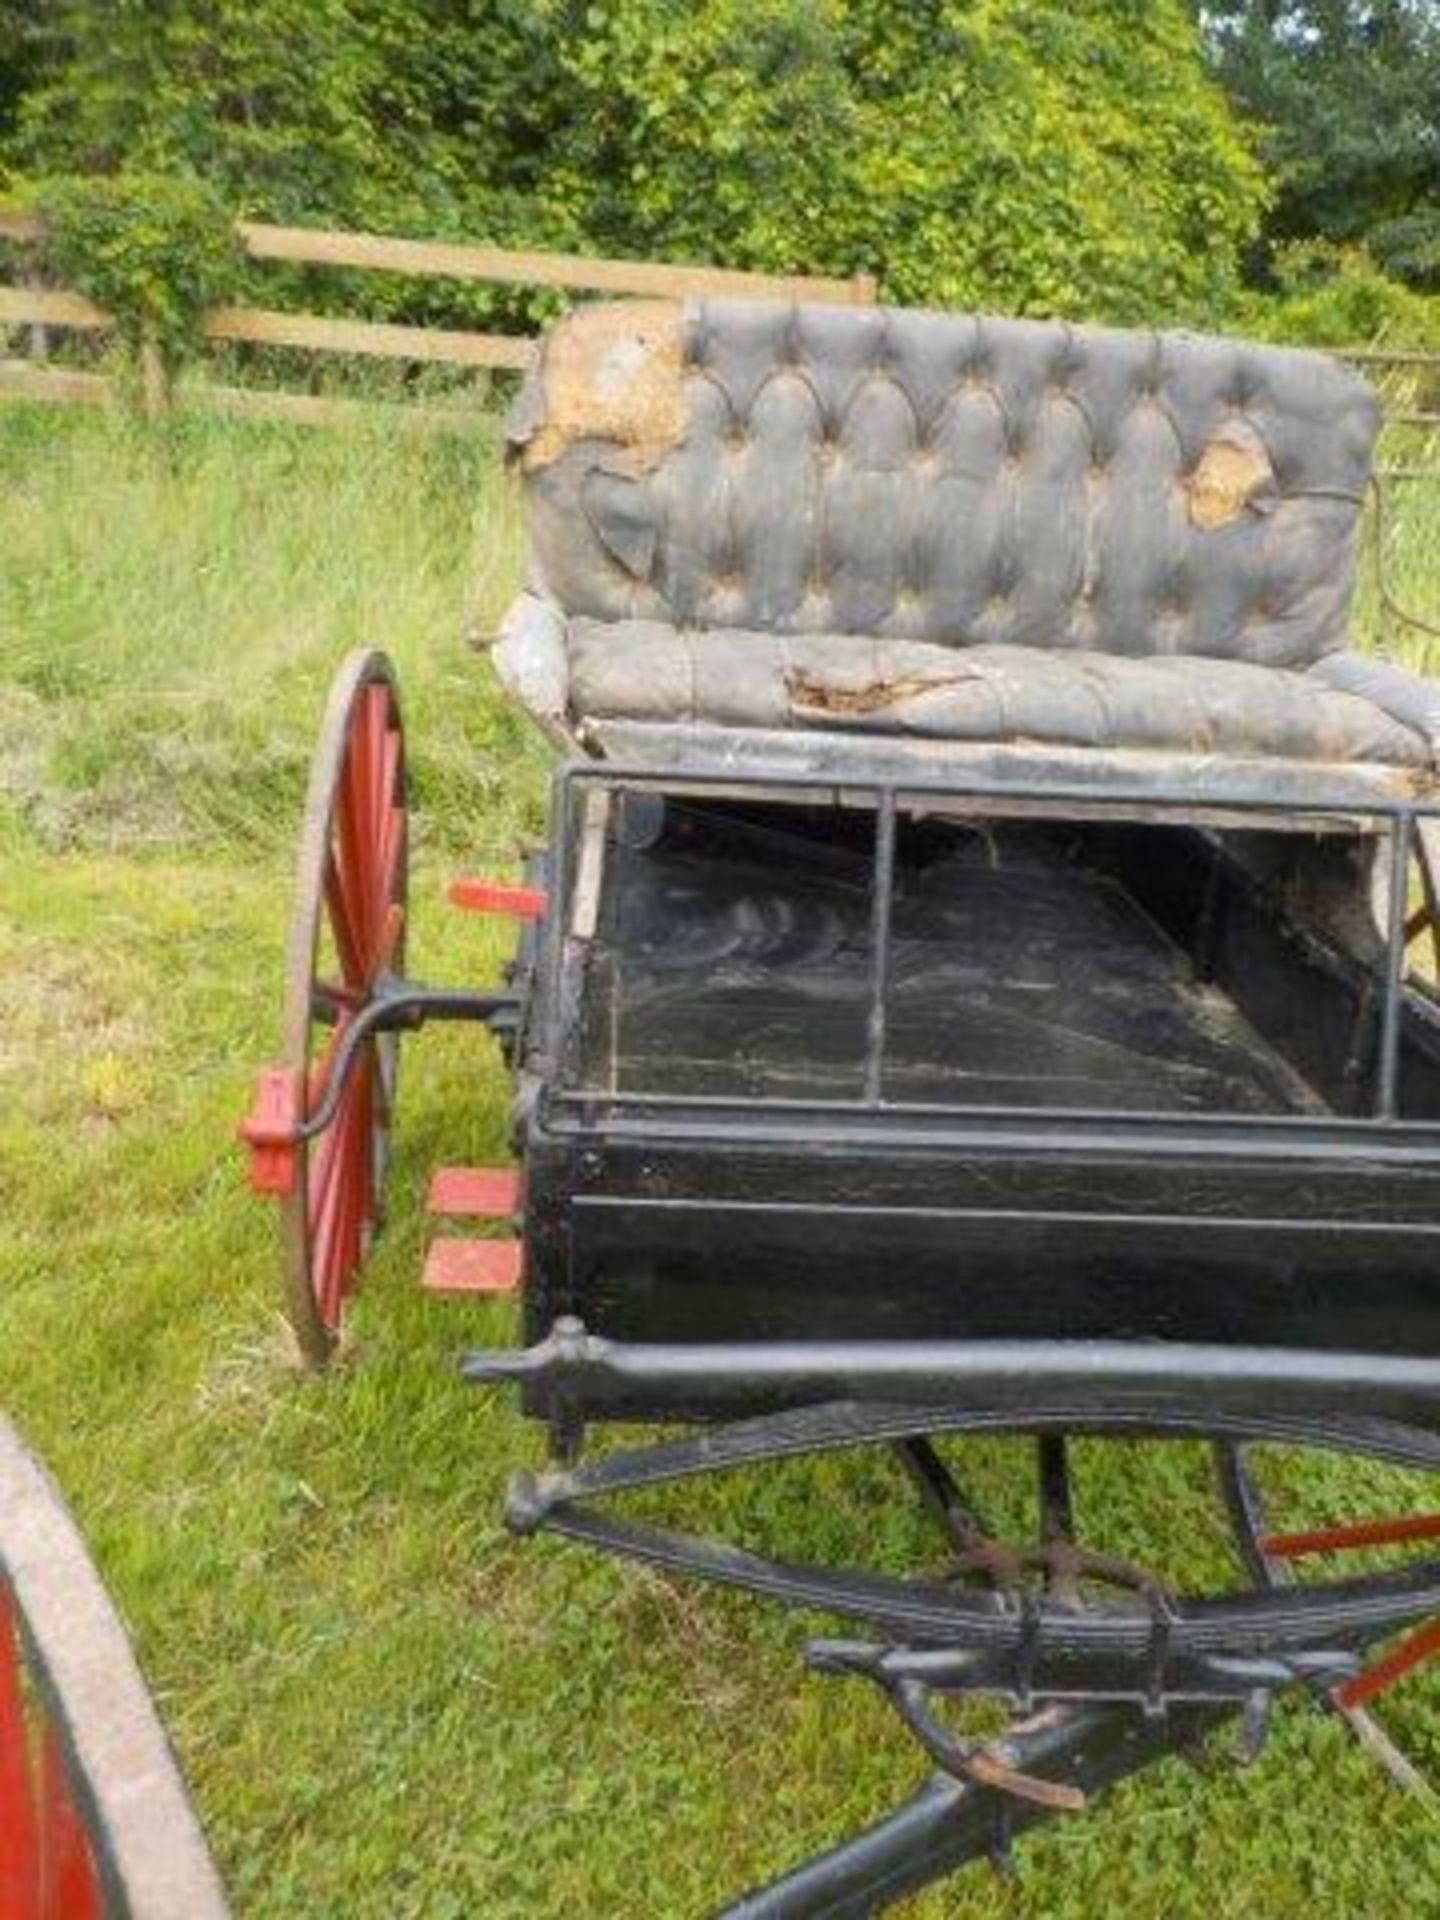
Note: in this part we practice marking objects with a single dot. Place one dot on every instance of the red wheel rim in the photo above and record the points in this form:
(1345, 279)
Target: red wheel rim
(348, 932)
(78, 1734)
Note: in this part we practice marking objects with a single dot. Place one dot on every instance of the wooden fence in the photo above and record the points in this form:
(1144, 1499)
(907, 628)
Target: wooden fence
(41, 308)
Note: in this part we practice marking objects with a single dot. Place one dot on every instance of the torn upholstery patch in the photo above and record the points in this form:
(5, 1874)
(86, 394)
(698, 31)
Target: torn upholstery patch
(807, 690)
(612, 371)
(1230, 473)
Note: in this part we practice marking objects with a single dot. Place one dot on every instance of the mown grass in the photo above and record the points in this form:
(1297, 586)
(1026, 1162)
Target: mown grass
(384, 1705)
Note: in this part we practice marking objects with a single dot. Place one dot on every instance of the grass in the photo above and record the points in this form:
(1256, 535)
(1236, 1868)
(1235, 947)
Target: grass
(385, 1707)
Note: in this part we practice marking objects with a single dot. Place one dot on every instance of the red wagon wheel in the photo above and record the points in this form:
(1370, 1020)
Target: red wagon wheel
(95, 1821)
(347, 935)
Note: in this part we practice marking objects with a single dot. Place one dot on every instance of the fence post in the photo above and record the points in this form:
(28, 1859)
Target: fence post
(154, 386)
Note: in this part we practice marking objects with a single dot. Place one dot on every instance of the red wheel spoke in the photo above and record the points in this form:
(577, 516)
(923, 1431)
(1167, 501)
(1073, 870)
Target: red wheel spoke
(1362, 1533)
(391, 858)
(317, 1078)
(392, 936)
(350, 871)
(377, 757)
(349, 939)
(388, 780)
(329, 1173)
(325, 1159)
(19, 1841)
(362, 765)
(342, 1194)
(356, 822)
(327, 1252)
(1412, 1652)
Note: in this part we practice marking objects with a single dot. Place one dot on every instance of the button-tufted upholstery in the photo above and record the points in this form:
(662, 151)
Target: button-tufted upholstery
(758, 514)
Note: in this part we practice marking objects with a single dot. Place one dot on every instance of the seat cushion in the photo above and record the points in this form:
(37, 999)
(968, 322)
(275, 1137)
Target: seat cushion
(944, 478)
(648, 670)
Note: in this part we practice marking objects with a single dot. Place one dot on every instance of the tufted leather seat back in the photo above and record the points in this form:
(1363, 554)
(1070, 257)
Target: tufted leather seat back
(944, 478)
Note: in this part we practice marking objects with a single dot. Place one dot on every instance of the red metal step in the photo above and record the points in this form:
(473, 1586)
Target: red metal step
(495, 896)
(474, 1193)
(472, 1266)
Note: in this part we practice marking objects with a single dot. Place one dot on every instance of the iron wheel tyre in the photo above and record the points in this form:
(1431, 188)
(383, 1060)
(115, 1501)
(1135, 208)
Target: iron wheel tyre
(347, 931)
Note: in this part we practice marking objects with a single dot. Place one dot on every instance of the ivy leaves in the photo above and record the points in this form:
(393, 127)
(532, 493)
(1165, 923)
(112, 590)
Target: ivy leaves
(155, 250)
(1026, 155)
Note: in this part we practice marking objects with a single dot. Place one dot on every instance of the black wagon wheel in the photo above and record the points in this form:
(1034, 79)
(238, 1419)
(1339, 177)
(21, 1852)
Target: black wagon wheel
(95, 1822)
(347, 936)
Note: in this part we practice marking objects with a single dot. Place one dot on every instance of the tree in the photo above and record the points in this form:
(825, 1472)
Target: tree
(19, 60)
(1347, 93)
(1024, 154)
(1014, 153)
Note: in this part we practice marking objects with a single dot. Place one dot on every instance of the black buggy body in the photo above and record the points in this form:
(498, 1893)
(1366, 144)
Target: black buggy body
(980, 979)
(975, 923)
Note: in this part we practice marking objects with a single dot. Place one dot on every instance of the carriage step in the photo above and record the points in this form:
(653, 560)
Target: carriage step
(472, 1266)
(475, 1193)
(496, 896)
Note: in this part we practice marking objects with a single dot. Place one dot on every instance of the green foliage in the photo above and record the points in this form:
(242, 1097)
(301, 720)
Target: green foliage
(1347, 94)
(1409, 248)
(1021, 154)
(155, 250)
(1328, 296)
(429, 117)
(1052, 159)
(19, 59)
(1024, 156)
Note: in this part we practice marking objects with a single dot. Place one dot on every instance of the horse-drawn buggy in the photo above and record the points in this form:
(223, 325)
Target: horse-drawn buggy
(979, 981)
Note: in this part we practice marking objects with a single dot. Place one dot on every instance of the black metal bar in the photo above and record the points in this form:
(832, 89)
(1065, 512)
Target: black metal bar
(1094, 1373)
(618, 774)
(1245, 1506)
(398, 1006)
(1245, 1509)
(939, 1494)
(1056, 1501)
(882, 880)
(663, 1109)
(1216, 1645)
(948, 1823)
(840, 1424)
(1389, 1061)
(563, 810)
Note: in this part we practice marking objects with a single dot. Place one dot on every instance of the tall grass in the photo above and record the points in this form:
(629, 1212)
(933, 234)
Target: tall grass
(170, 612)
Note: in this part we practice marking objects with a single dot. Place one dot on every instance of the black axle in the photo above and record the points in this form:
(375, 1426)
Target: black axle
(949, 1821)
(1101, 1684)
(398, 1006)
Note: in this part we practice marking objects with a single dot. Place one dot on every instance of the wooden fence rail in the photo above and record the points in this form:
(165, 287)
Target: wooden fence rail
(451, 261)
(45, 307)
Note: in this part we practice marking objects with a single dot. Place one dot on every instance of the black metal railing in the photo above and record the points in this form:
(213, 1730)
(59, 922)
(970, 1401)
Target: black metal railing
(1022, 797)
